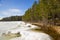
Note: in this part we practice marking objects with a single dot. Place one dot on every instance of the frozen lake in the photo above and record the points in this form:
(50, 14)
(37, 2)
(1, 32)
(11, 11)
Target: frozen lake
(26, 34)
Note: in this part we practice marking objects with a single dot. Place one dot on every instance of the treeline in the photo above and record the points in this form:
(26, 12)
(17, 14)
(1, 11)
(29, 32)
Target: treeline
(43, 11)
(12, 18)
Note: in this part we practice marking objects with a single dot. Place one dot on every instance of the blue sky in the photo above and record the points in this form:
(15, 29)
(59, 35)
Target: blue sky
(14, 7)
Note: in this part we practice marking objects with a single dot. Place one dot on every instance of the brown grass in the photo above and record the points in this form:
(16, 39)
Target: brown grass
(53, 31)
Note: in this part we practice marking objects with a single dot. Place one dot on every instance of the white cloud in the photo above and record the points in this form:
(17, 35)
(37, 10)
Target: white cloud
(14, 10)
(11, 12)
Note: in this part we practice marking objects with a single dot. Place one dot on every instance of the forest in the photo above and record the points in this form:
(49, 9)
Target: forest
(46, 11)
(12, 18)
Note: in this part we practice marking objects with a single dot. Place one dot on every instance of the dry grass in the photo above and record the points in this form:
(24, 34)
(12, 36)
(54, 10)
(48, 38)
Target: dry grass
(11, 35)
(53, 31)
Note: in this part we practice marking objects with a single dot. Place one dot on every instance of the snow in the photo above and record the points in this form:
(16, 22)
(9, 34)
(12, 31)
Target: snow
(24, 30)
(28, 35)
